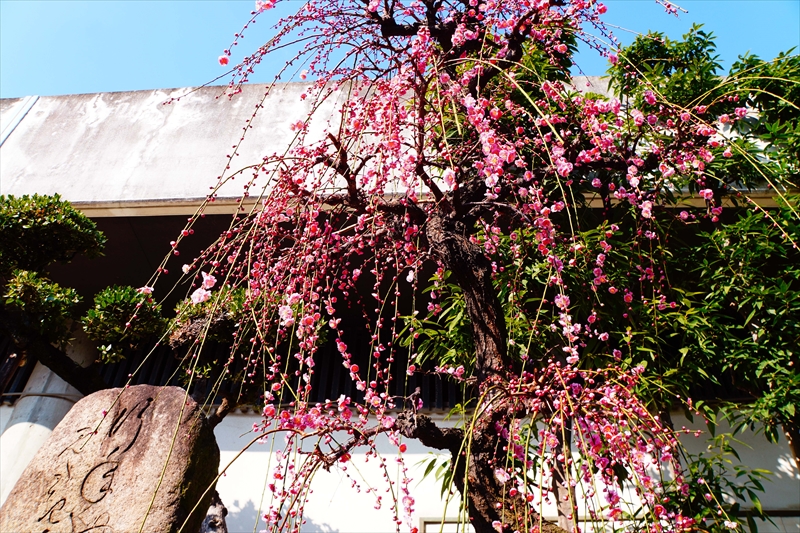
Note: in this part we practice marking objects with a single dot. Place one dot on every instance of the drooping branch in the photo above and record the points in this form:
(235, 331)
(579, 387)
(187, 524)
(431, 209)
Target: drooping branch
(359, 438)
(492, 505)
(512, 55)
(419, 169)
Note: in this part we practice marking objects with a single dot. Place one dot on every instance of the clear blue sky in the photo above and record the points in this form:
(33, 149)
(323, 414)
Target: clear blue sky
(65, 47)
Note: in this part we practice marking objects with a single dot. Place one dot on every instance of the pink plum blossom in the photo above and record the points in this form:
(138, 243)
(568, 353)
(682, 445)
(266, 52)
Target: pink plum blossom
(449, 177)
(262, 5)
(200, 295)
(647, 209)
(208, 280)
(562, 301)
(502, 475)
(286, 315)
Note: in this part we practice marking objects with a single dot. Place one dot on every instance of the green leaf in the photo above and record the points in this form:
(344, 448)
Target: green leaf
(756, 502)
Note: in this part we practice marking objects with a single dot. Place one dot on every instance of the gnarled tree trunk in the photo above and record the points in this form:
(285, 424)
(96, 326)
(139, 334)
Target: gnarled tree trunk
(491, 505)
(562, 487)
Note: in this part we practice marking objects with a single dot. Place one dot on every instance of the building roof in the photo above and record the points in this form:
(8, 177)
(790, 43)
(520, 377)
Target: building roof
(130, 152)
(135, 153)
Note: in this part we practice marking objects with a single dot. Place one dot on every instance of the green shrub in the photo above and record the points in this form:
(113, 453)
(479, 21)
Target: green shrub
(36, 306)
(38, 230)
(120, 318)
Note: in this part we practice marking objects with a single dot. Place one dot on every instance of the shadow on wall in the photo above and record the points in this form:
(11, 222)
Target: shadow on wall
(247, 520)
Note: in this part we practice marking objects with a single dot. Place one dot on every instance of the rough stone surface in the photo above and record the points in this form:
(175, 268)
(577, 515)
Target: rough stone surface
(122, 461)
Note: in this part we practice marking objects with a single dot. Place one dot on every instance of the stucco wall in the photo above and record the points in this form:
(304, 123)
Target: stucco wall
(130, 146)
(336, 507)
(5, 415)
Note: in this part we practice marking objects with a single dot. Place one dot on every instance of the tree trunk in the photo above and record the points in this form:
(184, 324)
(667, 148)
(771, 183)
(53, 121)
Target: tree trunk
(490, 506)
(214, 522)
(472, 272)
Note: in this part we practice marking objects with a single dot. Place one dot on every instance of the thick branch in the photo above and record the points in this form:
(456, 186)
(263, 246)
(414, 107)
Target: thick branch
(420, 427)
(225, 407)
(484, 491)
(489, 500)
(512, 57)
(562, 488)
(342, 167)
(390, 28)
(792, 430)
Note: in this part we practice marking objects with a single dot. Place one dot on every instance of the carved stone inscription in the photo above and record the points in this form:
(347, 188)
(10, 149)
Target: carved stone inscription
(122, 460)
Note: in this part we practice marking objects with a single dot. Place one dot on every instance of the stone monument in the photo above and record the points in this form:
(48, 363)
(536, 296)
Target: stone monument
(138, 459)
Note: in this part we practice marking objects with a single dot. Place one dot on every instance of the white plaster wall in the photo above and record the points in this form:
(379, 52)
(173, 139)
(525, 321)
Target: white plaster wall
(335, 507)
(5, 415)
(9, 109)
(129, 146)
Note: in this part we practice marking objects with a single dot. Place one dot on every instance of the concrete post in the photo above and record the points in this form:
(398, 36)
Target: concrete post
(45, 400)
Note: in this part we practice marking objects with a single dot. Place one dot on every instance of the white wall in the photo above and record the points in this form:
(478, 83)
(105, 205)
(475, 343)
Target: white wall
(5, 415)
(783, 490)
(336, 507)
(332, 507)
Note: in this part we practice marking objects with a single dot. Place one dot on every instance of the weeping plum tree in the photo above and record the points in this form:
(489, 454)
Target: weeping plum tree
(569, 296)
(461, 151)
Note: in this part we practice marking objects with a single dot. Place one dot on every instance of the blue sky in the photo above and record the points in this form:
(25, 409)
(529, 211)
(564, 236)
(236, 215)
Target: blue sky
(66, 47)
